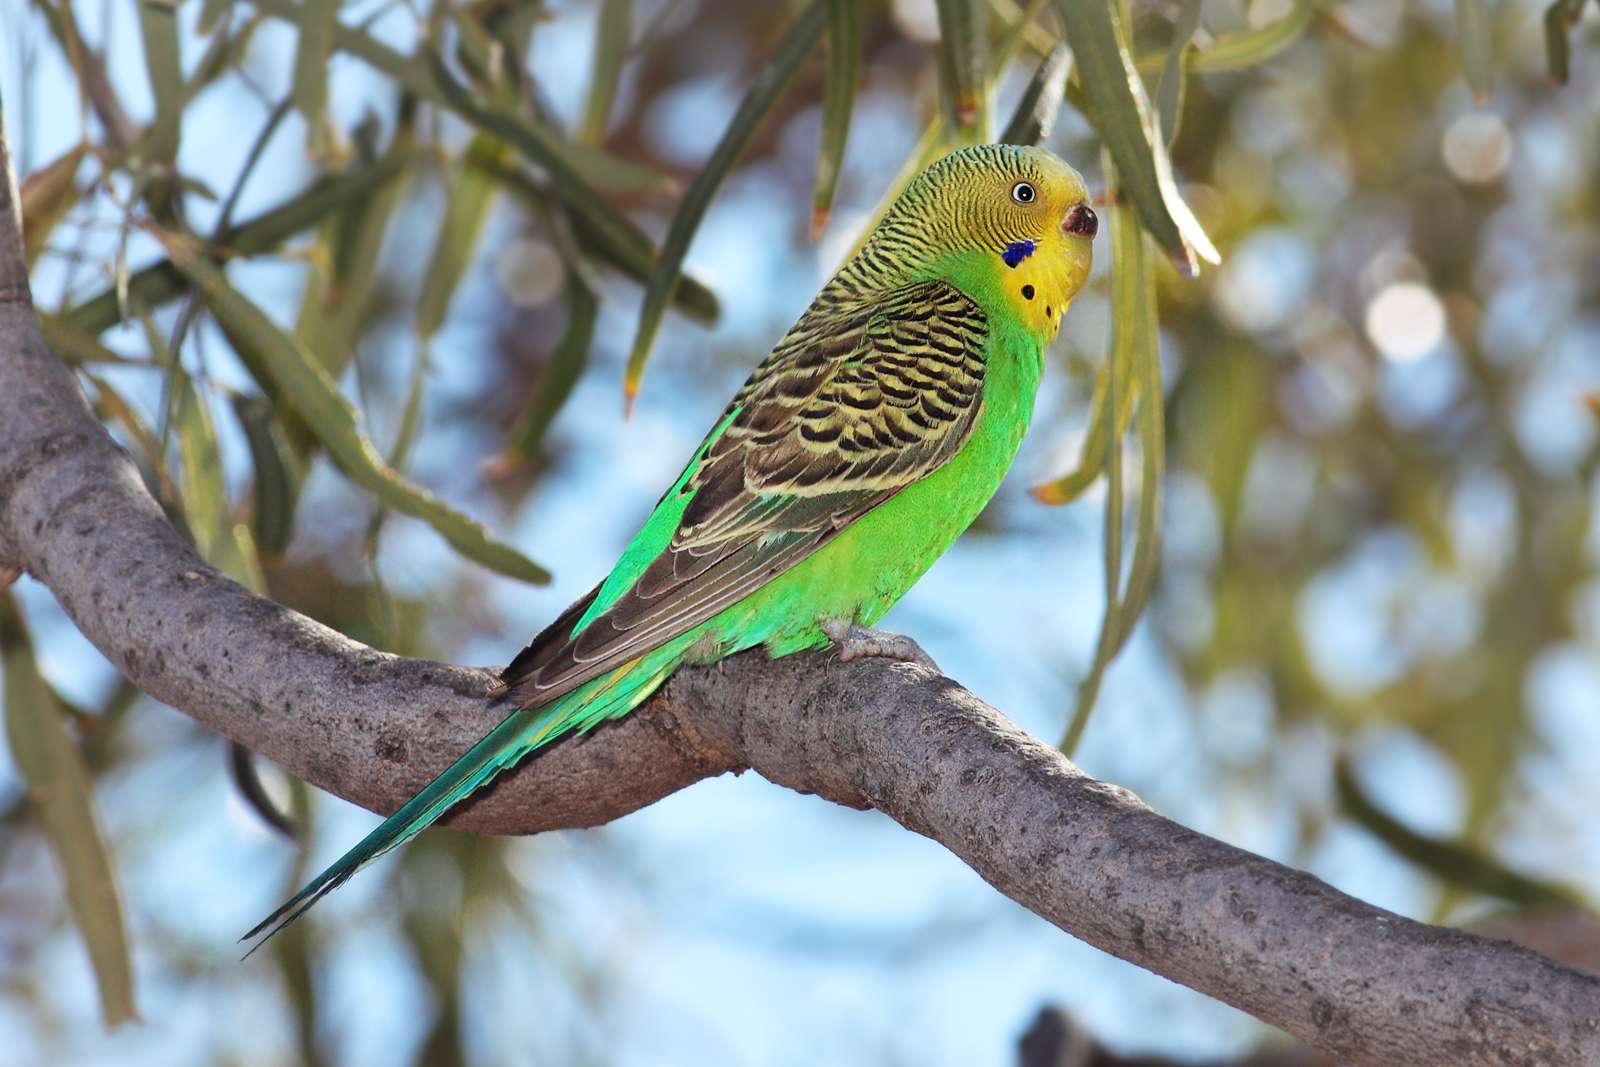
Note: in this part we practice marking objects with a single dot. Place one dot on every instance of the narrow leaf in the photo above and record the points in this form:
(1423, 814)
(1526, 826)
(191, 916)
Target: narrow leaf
(1244, 49)
(963, 63)
(204, 498)
(277, 479)
(1133, 355)
(1111, 534)
(838, 101)
(1169, 91)
(158, 26)
(577, 169)
(47, 195)
(1123, 117)
(336, 305)
(399, 455)
(61, 791)
(112, 406)
(313, 47)
(758, 100)
(160, 282)
(1455, 862)
(1143, 320)
(77, 347)
(615, 242)
(1474, 31)
(212, 14)
(1036, 110)
(1069, 486)
(1559, 18)
(560, 374)
(308, 388)
(613, 31)
(472, 191)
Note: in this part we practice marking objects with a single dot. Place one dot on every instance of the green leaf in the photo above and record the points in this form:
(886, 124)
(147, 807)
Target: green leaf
(561, 373)
(47, 195)
(758, 100)
(1123, 117)
(160, 282)
(308, 388)
(1036, 110)
(1559, 18)
(838, 102)
(1146, 358)
(1474, 30)
(111, 406)
(618, 243)
(212, 14)
(472, 193)
(1134, 356)
(613, 31)
(205, 500)
(1111, 534)
(77, 347)
(575, 169)
(313, 47)
(277, 481)
(1244, 49)
(158, 26)
(1457, 863)
(1169, 91)
(336, 305)
(61, 791)
(1069, 486)
(596, 224)
(963, 63)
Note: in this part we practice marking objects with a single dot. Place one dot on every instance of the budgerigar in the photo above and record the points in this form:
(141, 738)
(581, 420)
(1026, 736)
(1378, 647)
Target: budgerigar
(856, 453)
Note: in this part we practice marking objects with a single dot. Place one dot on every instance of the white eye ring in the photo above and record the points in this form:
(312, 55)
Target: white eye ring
(1024, 193)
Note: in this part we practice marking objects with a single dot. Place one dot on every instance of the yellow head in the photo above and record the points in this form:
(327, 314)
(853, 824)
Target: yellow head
(1010, 225)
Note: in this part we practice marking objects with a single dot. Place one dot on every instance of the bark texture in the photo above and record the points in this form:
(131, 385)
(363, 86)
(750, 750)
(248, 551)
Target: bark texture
(1362, 984)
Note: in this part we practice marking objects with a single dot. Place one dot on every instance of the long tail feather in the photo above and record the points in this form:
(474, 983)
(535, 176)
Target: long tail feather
(523, 731)
(520, 733)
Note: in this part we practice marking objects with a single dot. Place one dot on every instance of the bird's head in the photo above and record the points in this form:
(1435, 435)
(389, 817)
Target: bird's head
(1007, 223)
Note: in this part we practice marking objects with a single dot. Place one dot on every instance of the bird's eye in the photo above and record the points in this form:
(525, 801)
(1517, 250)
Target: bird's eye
(1024, 193)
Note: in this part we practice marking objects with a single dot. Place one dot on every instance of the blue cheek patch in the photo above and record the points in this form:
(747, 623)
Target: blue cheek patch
(1016, 252)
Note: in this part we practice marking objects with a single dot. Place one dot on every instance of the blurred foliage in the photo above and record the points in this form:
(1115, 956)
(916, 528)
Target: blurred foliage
(1351, 470)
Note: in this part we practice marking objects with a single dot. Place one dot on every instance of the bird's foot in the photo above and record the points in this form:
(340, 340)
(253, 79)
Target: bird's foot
(855, 641)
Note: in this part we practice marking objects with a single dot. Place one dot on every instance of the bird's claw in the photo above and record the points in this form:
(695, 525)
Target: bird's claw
(855, 641)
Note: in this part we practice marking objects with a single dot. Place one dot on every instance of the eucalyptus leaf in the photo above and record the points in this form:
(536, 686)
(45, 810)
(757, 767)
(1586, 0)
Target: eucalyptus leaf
(613, 30)
(307, 387)
(963, 68)
(472, 192)
(838, 102)
(796, 44)
(62, 793)
(1126, 124)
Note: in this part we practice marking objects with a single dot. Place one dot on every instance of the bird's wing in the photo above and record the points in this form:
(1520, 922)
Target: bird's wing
(850, 408)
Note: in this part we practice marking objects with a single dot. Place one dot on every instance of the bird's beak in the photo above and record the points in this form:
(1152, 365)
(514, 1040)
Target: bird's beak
(1082, 221)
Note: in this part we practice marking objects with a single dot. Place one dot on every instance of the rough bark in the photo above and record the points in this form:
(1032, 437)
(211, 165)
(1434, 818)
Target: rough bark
(1360, 983)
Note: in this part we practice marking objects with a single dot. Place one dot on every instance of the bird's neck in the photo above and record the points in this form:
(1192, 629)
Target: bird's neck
(1027, 290)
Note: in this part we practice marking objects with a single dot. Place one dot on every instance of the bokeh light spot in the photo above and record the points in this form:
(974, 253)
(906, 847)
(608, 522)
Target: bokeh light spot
(1477, 148)
(529, 271)
(1405, 321)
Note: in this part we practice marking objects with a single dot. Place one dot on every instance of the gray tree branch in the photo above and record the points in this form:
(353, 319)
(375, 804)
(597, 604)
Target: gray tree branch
(1361, 983)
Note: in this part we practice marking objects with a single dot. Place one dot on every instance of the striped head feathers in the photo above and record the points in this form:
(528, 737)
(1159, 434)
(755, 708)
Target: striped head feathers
(1010, 225)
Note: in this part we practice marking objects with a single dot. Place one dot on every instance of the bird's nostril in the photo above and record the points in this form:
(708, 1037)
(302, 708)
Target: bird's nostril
(1081, 220)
